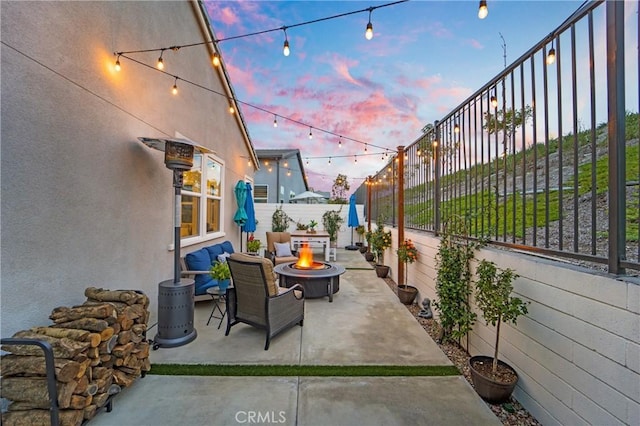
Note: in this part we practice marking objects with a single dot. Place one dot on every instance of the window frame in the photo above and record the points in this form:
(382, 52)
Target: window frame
(203, 196)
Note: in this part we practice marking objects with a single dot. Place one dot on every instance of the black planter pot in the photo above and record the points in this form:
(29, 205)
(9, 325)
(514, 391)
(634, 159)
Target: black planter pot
(363, 249)
(369, 256)
(407, 294)
(490, 390)
(382, 271)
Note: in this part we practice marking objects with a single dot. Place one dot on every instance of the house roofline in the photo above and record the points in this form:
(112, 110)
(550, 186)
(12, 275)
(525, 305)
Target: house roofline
(207, 30)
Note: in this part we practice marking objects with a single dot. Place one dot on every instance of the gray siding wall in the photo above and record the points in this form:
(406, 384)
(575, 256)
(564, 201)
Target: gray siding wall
(84, 203)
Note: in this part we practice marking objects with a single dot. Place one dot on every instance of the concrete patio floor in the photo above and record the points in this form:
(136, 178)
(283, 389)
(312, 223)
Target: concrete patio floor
(365, 325)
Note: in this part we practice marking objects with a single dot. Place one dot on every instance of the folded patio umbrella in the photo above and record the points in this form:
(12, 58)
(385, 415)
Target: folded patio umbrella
(250, 224)
(240, 217)
(352, 220)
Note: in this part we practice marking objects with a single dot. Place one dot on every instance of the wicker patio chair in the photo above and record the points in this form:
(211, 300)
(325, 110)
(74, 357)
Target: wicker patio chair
(256, 299)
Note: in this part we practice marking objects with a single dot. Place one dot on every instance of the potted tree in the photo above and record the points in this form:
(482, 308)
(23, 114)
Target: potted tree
(220, 272)
(379, 241)
(407, 253)
(331, 220)
(360, 230)
(280, 220)
(368, 254)
(494, 380)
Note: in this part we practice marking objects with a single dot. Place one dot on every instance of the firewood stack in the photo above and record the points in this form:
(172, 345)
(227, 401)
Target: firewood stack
(99, 348)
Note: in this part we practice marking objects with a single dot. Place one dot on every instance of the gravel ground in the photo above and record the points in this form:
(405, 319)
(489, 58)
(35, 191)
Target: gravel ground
(510, 413)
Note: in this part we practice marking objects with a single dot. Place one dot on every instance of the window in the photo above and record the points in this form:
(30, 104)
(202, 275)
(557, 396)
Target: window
(261, 193)
(202, 198)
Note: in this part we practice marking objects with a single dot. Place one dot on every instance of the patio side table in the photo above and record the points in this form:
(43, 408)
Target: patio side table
(218, 297)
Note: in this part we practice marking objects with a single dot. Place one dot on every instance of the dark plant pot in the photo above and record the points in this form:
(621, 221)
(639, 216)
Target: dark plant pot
(359, 245)
(363, 248)
(407, 294)
(489, 389)
(369, 256)
(382, 271)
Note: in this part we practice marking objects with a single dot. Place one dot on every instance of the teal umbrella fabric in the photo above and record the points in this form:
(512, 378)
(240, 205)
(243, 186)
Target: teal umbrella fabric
(240, 218)
(250, 224)
(353, 221)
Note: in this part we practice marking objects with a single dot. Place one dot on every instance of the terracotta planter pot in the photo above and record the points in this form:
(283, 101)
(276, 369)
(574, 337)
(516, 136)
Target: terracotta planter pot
(489, 389)
(407, 294)
(382, 271)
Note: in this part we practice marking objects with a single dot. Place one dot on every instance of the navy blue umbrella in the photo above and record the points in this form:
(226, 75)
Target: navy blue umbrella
(250, 224)
(352, 220)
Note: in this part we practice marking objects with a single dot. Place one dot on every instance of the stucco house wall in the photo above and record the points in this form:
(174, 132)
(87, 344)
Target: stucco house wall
(577, 351)
(84, 203)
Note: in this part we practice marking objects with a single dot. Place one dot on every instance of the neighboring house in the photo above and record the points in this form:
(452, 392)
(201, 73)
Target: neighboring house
(84, 202)
(281, 176)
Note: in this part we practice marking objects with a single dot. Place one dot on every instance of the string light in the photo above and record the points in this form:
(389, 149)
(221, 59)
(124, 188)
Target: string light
(551, 56)
(494, 101)
(456, 128)
(288, 172)
(483, 11)
(174, 90)
(285, 50)
(365, 147)
(275, 121)
(286, 163)
(310, 134)
(307, 161)
(340, 142)
(329, 160)
(232, 110)
(270, 169)
(355, 157)
(117, 66)
(216, 59)
(160, 63)
(368, 34)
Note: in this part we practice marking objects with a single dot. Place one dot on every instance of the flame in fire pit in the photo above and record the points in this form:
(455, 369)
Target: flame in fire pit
(305, 259)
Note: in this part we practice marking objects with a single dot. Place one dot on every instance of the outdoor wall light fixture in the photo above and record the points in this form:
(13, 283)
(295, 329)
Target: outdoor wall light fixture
(368, 34)
(216, 59)
(175, 296)
(483, 11)
(551, 56)
(285, 50)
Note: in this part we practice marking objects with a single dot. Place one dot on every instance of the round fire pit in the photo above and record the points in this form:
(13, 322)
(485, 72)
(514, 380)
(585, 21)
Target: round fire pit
(318, 280)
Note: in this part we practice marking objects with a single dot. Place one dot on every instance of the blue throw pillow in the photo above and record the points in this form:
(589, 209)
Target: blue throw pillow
(200, 261)
(227, 247)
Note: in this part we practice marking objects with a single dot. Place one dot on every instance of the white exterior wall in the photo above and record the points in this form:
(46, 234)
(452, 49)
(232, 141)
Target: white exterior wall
(577, 351)
(84, 203)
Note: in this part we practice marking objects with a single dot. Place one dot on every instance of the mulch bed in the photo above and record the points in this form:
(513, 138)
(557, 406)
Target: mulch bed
(510, 413)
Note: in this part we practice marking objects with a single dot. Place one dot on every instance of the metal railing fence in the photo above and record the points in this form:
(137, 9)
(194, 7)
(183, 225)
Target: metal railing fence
(544, 157)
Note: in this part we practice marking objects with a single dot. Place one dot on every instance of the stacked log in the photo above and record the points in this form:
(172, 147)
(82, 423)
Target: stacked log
(99, 348)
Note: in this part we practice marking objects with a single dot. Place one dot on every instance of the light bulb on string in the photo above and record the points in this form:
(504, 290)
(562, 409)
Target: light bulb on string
(365, 147)
(329, 160)
(456, 128)
(285, 50)
(494, 101)
(340, 142)
(275, 121)
(160, 63)
(355, 159)
(232, 110)
(215, 59)
(117, 65)
(307, 161)
(310, 134)
(551, 56)
(288, 172)
(174, 89)
(368, 34)
(286, 163)
(483, 11)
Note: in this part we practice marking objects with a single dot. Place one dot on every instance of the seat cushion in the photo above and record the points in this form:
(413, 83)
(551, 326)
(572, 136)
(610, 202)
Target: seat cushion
(200, 261)
(267, 266)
